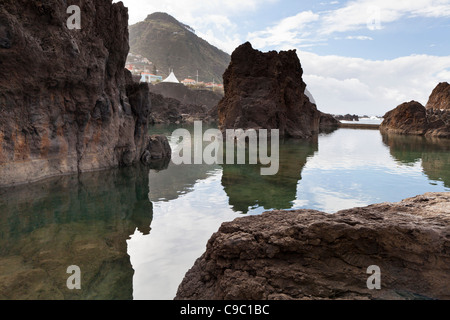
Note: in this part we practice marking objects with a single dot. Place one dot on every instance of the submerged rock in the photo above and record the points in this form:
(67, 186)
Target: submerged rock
(67, 104)
(307, 254)
(266, 91)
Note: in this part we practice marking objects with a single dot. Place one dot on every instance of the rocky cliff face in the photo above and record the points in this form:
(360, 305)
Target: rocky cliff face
(313, 255)
(266, 91)
(66, 103)
(440, 97)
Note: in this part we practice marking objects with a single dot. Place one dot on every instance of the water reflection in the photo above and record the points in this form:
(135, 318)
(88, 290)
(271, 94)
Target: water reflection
(101, 221)
(247, 189)
(177, 180)
(84, 221)
(432, 152)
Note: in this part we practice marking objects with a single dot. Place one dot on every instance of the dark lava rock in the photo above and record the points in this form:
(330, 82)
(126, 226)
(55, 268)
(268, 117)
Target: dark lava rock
(308, 254)
(64, 104)
(266, 91)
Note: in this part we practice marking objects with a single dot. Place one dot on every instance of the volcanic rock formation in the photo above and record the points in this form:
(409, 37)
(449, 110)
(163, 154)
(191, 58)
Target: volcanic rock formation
(308, 254)
(67, 105)
(266, 91)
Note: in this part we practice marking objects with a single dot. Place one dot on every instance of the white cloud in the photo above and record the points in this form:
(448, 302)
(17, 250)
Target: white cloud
(289, 30)
(358, 38)
(355, 85)
(361, 14)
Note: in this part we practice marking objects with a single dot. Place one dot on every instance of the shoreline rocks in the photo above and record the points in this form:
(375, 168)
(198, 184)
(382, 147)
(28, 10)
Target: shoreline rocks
(307, 254)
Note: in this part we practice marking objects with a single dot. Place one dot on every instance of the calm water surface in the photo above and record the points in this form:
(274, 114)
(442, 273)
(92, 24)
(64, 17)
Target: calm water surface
(135, 232)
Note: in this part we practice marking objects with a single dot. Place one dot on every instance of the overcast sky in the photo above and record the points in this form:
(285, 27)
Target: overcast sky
(361, 56)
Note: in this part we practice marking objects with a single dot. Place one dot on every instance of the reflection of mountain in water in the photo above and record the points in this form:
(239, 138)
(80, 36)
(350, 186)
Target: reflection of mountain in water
(247, 188)
(83, 221)
(434, 153)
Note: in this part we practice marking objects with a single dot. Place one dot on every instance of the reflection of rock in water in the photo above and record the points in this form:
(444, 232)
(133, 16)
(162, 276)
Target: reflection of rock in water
(434, 153)
(85, 221)
(246, 187)
(177, 180)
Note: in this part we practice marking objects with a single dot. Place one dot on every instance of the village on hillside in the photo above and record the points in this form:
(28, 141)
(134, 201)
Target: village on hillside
(147, 72)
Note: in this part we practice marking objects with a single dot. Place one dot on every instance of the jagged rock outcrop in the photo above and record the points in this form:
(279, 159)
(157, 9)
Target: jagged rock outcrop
(308, 254)
(266, 91)
(440, 97)
(67, 105)
(413, 118)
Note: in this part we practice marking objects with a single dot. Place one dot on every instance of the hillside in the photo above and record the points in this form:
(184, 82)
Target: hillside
(170, 44)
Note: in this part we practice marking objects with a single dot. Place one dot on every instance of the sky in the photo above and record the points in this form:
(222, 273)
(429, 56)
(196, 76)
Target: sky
(361, 57)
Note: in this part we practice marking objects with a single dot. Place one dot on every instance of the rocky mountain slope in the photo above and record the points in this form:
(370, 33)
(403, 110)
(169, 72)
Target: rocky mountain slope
(169, 44)
(308, 254)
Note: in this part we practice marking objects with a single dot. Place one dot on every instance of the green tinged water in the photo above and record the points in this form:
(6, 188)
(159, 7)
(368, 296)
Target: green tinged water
(134, 233)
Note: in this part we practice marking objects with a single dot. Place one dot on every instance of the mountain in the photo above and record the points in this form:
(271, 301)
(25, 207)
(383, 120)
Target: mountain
(170, 44)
